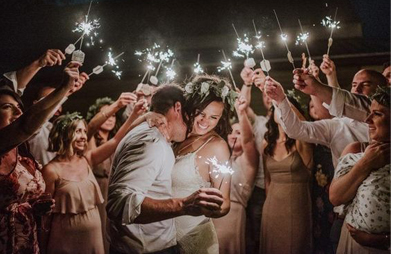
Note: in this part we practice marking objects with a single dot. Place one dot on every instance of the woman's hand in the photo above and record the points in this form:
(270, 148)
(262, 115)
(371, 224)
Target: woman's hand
(369, 240)
(259, 78)
(125, 99)
(328, 67)
(51, 57)
(159, 121)
(241, 105)
(140, 107)
(43, 205)
(247, 76)
(274, 90)
(377, 155)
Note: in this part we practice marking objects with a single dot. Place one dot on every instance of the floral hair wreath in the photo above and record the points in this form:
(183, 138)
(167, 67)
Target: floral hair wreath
(382, 95)
(94, 108)
(221, 90)
(67, 119)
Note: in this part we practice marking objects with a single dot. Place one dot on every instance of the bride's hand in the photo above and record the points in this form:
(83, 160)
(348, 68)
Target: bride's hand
(205, 201)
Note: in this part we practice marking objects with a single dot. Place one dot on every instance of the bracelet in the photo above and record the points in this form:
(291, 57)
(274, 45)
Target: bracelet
(104, 114)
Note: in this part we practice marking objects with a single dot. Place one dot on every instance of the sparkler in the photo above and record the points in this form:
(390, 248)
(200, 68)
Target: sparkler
(112, 61)
(303, 38)
(284, 38)
(197, 66)
(227, 65)
(170, 72)
(265, 65)
(220, 168)
(244, 49)
(328, 22)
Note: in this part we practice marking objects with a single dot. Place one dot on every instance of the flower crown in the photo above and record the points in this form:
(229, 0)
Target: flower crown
(95, 108)
(382, 95)
(203, 90)
(66, 119)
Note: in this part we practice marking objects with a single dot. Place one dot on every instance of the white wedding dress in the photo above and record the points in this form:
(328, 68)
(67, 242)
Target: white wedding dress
(195, 234)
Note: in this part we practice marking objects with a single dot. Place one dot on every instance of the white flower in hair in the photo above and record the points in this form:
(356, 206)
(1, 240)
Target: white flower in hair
(225, 91)
(204, 87)
(189, 88)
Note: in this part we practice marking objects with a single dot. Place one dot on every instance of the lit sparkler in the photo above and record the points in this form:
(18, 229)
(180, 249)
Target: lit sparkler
(265, 65)
(328, 22)
(170, 71)
(220, 168)
(284, 37)
(197, 66)
(244, 49)
(303, 38)
(227, 65)
(112, 61)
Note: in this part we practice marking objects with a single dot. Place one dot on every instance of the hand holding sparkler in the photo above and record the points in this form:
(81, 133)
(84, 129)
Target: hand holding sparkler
(328, 67)
(305, 82)
(83, 77)
(247, 76)
(51, 57)
(205, 201)
(259, 79)
(274, 90)
(241, 105)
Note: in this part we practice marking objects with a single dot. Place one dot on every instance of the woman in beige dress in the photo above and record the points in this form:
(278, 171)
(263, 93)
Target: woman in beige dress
(231, 228)
(286, 226)
(75, 225)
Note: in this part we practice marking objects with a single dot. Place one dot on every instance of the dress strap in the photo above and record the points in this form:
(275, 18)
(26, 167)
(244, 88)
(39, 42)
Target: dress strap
(205, 143)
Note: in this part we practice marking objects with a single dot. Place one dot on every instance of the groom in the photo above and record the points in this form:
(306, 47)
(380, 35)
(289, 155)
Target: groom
(140, 206)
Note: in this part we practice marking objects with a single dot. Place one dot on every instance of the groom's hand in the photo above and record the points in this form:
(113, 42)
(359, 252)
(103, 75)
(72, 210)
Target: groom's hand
(204, 201)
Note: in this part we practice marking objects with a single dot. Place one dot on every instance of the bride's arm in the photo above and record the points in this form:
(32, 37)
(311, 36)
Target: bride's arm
(219, 151)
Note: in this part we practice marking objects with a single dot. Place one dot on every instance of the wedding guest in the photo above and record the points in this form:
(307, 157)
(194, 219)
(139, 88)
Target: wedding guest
(22, 184)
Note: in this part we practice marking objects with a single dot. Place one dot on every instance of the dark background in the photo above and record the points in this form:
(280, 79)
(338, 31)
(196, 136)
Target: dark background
(30, 27)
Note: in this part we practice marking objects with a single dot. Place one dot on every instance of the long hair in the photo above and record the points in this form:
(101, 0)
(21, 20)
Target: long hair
(196, 103)
(95, 109)
(63, 133)
(272, 134)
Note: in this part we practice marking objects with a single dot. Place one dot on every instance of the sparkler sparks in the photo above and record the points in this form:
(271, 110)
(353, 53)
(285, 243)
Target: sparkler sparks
(170, 73)
(330, 23)
(112, 61)
(284, 37)
(245, 48)
(220, 168)
(197, 66)
(302, 38)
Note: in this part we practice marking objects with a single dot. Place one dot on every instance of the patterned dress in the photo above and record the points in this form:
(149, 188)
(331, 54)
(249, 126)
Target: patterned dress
(18, 190)
(370, 209)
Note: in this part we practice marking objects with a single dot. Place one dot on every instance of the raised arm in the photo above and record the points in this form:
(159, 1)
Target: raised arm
(98, 155)
(247, 76)
(28, 123)
(328, 67)
(341, 102)
(294, 127)
(250, 153)
(101, 117)
(50, 58)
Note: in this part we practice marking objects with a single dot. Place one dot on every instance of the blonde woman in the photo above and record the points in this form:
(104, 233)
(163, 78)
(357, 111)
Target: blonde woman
(75, 225)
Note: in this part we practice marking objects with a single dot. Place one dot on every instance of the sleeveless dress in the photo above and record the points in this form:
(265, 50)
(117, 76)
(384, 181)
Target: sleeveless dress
(286, 225)
(231, 227)
(76, 224)
(18, 190)
(194, 234)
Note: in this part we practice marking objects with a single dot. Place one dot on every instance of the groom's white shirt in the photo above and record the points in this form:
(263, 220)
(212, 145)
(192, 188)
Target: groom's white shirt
(141, 168)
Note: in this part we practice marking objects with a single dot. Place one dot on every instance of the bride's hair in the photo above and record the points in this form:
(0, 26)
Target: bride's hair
(198, 100)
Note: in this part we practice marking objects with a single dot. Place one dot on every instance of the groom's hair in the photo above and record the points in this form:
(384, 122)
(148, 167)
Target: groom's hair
(165, 97)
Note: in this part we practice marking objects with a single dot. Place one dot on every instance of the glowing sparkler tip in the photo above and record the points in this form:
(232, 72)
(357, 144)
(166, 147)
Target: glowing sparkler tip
(284, 37)
(302, 38)
(330, 23)
(219, 167)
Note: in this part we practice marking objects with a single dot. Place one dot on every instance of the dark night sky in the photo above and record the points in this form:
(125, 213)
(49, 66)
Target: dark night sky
(29, 27)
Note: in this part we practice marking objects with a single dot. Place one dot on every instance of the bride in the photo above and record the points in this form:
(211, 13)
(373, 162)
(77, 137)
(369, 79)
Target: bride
(209, 106)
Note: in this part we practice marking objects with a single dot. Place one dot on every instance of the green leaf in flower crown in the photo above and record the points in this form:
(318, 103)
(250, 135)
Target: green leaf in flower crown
(221, 85)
